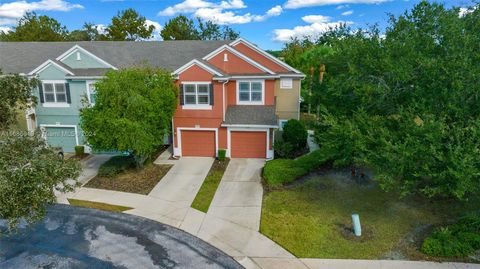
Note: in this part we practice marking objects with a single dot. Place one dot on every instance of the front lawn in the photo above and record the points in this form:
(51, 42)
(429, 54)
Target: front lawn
(209, 187)
(312, 219)
(118, 174)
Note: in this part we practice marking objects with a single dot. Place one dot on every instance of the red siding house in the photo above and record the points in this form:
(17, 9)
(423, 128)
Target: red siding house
(228, 100)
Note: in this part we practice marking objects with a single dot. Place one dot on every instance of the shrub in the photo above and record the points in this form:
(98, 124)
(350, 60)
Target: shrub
(222, 154)
(79, 150)
(116, 165)
(295, 133)
(457, 240)
(283, 171)
(283, 149)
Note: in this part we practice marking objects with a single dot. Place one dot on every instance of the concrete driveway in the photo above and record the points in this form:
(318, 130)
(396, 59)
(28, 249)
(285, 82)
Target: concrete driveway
(239, 196)
(91, 165)
(73, 237)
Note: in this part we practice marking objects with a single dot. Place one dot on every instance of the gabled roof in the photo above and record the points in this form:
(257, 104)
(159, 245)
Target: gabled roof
(23, 57)
(78, 48)
(202, 64)
(49, 62)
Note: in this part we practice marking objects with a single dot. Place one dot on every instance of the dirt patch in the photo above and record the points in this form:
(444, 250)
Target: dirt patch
(347, 232)
(140, 181)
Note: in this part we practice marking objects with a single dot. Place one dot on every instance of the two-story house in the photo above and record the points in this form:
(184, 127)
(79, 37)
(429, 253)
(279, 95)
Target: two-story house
(233, 95)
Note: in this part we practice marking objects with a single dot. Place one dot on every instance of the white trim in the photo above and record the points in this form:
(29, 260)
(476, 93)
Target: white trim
(85, 77)
(250, 102)
(268, 153)
(47, 63)
(264, 53)
(193, 62)
(280, 126)
(87, 84)
(288, 87)
(77, 47)
(60, 126)
(260, 76)
(197, 107)
(55, 104)
(239, 54)
(178, 149)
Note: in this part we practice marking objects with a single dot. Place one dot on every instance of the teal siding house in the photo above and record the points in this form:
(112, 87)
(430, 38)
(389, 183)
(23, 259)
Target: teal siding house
(68, 72)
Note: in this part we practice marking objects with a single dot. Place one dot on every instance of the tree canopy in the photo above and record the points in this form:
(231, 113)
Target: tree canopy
(130, 26)
(132, 111)
(183, 28)
(405, 103)
(36, 28)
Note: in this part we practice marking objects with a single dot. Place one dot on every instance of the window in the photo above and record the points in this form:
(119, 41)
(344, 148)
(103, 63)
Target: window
(54, 93)
(92, 94)
(250, 92)
(196, 94)
(282, 123)
(286, 83)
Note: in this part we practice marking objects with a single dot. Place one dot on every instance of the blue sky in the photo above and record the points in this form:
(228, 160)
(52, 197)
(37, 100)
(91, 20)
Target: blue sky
(265, 22)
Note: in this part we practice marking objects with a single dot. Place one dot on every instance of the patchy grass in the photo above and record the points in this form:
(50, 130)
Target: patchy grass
(134, 180)
(312, 219)
(209, 187)
(97, 205)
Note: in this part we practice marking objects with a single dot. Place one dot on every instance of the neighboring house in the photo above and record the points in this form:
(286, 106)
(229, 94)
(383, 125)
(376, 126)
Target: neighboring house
(233, 95)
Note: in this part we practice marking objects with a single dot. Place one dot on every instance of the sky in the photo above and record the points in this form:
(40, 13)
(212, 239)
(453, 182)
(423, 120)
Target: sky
(267, 23)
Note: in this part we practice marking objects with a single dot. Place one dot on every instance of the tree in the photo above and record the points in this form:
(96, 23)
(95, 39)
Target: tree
(404, 104)
(29, 174)
(89, 32)
(132, 112)
(36, 28)
(129, 25)
(29, 171)
(16, 94)
(180, 28)
(183, 28)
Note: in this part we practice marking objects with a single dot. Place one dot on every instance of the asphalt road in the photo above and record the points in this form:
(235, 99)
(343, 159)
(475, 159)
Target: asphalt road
(73, 237)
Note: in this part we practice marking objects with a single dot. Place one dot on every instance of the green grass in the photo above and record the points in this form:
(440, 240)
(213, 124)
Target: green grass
(209, 187)
(310, 219)
(283, 171)
(97, 205)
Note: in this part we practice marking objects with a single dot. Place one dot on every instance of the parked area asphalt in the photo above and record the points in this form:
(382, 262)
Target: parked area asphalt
(73, 237)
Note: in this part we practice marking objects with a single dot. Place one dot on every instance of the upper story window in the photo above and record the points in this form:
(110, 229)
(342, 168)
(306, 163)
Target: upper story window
(197, 95)
(54, 93)
(92, 93)
(286, 83)
(251, 92)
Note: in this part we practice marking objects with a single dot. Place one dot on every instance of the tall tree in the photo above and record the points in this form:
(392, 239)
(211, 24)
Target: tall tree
(183, 28)
(89, 32)
(36, 28)
(29, 171)
(132, 111)
(180, 28)
(129, 25)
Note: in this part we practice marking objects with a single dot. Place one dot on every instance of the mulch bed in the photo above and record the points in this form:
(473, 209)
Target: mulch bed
(140, 181)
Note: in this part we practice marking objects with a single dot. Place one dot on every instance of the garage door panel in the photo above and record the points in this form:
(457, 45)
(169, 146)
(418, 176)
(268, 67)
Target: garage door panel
(198, 143)
(63, 137)
(248, 144)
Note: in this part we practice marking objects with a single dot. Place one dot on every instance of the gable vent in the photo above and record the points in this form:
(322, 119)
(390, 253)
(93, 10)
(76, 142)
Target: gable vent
(225, 57)
(78, 56)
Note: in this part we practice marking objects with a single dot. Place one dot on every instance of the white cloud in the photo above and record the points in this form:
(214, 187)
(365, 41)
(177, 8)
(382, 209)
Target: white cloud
(18, 8)
(101, 28)
(318, 24)
(347, 13)
(342, 7)
(156, 32)
(5, 29)
(292, 4)
(464, 11)
(220, 12)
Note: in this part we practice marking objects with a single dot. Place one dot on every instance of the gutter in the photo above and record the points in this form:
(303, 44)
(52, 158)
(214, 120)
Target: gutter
(223, 103)
(249, 126)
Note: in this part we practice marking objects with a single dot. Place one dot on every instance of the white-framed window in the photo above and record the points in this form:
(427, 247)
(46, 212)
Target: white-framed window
(286, 83)
(91, 92)
(196, 94)
(282, 123)
(251, 92)
(54, 92)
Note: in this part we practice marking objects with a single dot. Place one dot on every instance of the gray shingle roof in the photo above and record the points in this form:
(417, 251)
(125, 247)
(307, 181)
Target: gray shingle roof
(23, 57)
(87, 72)
(251, 114)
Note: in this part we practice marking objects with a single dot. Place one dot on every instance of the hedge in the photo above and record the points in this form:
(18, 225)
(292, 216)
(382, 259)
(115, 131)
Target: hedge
(283, 171)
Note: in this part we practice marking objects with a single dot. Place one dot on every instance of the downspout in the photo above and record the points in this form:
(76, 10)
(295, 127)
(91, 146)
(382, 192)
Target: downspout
(223, 103)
